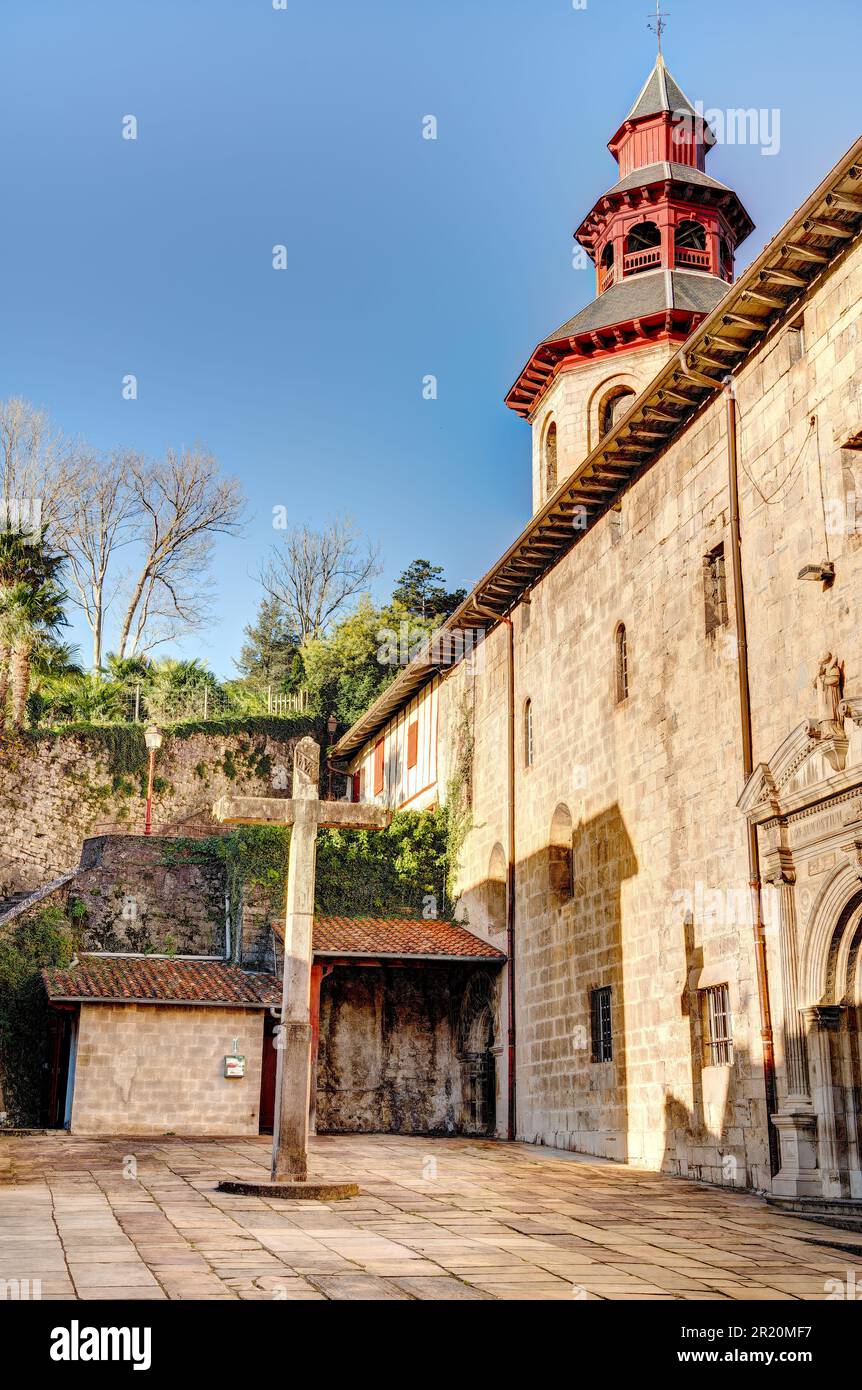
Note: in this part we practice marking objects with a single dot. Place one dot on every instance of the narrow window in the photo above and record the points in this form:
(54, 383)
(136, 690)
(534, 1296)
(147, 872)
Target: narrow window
(601, 1032)
(356, 793)
(796, 340)
(528, 734)
(413, 743)
(718, 1027)
(715, 589)
(622, 664)
(551, 459)
(378, 767)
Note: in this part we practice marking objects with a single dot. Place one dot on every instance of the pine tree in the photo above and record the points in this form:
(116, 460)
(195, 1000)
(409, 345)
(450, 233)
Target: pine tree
(269, 656)
(421, 590)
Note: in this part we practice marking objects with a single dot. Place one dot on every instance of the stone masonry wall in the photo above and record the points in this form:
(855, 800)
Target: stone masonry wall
(139, 895)
(574, 399)
(55, 792)
(651, 785)
(159, 1069)
(388, 1060)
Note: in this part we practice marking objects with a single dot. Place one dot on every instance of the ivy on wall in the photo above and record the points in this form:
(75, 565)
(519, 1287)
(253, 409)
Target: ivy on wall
(459, 792)
(401, 871)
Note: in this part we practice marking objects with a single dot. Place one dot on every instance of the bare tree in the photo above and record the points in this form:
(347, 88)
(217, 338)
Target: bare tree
(103, 522)
(183, 503)
(313, 574)
(36, 467)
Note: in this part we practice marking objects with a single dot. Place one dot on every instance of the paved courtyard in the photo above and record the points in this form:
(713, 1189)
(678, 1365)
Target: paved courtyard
(436, 1219)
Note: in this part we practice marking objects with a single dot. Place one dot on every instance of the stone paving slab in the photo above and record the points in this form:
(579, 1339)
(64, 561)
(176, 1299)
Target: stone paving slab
(498, 1221)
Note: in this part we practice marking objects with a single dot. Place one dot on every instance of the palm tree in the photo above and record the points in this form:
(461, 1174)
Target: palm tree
(28, 617)
(29, 565)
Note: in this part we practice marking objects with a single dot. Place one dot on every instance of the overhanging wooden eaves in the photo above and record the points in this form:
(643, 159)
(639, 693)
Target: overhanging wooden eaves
(763, 299)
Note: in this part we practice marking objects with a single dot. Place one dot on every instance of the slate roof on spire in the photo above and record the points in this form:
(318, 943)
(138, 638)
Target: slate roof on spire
(639, 296)
(660, 93)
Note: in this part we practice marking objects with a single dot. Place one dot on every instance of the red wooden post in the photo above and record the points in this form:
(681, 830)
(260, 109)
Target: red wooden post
(318, 975)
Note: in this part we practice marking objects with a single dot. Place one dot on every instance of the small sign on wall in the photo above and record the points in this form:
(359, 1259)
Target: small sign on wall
(234, 1064)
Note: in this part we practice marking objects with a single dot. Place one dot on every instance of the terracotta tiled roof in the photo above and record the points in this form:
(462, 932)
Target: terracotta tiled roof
(373, 936)
(153, 980)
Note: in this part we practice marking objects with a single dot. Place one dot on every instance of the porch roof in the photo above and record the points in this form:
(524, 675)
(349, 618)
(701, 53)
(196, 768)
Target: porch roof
(98, 979)
(397, 938)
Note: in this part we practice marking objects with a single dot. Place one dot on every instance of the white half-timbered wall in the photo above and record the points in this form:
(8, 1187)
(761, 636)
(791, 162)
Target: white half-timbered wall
(403, 787)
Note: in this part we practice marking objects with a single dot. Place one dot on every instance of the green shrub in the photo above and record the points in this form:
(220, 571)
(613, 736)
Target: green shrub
(44, 940)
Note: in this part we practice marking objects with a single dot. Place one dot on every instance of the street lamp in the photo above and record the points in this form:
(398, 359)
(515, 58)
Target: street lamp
(153, 740)
(332, 725)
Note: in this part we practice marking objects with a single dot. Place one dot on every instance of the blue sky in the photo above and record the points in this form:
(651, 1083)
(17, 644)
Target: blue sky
(405, 256)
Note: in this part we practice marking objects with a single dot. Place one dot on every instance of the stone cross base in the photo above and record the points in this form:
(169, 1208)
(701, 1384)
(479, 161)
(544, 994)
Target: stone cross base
(310, 1191)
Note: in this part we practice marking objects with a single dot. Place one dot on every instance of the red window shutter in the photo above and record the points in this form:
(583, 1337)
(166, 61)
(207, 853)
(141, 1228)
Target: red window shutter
(413, 743)
(378, 768)
(356, 794)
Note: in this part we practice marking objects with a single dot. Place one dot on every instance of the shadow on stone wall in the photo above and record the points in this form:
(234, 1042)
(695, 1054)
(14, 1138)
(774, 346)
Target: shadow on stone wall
(568, 944)
(720, 1137)
(392, 1043)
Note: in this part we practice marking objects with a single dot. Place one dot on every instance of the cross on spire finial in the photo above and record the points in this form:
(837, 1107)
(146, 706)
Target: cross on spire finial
(659, 26)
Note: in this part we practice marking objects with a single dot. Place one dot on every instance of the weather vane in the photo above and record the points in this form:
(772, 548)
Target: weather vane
(659, 27)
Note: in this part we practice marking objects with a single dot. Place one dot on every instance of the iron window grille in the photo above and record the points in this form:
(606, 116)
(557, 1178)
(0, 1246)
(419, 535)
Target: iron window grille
(600, 1021)
(719, 1025)
(622, 664)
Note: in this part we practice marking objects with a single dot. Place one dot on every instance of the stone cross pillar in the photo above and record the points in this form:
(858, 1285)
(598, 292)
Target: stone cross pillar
(293, 1081)
(304, 813)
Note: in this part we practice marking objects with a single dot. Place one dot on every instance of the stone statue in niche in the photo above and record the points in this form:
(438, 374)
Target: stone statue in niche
(829, 684)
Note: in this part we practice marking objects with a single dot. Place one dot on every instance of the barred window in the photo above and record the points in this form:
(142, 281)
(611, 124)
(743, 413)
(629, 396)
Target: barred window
(715, 589)
(600, 1025)
(718, 1025)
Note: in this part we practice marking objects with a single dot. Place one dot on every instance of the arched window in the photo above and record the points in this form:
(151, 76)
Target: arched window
(621, 664)
(551, 459)
(613, 408)
(607, 267)
(529, 749)
(726, 254)
(643, 248)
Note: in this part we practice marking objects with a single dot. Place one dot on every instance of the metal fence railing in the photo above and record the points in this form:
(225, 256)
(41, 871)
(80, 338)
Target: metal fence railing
(205, 702)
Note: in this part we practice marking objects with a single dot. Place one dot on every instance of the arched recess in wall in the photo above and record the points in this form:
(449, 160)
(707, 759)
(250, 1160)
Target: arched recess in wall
(616, 383)
(549, 459)
(613, 407)
(560, 872)
(477, 1033)
(495, 890)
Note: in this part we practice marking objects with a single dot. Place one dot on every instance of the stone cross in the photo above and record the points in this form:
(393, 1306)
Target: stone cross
(305, 813)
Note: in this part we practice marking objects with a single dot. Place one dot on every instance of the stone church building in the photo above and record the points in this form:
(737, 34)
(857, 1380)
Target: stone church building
(646, 719)
(651, 705)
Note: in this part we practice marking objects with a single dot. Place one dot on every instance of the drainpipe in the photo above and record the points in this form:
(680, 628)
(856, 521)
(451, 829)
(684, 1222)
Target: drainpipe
(748, 767)
(511, 1126)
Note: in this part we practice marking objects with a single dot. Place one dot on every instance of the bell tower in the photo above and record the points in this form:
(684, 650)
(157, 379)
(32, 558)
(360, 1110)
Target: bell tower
(663, 241)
